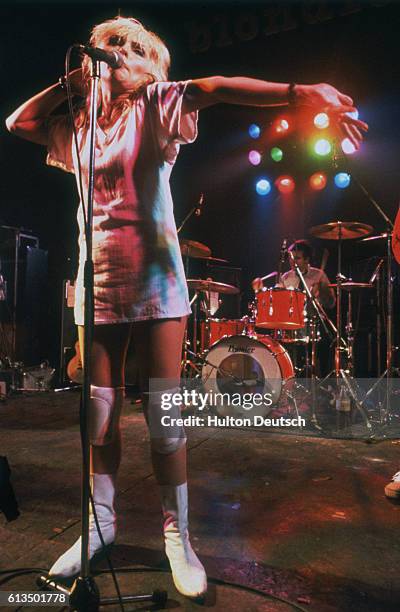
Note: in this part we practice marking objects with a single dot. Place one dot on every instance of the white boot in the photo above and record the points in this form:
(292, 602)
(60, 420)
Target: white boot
(187, 571)
(103, 491)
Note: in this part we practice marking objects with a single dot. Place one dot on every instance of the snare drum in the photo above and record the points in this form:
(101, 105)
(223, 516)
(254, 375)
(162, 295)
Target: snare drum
(242, 364)
(215, 329)
(280, 308)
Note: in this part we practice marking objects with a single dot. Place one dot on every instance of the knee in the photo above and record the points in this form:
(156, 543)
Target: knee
(104, 413)
(167, 446)
(167, 436)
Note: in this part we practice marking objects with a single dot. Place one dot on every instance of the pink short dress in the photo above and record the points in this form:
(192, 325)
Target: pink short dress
(138, 269)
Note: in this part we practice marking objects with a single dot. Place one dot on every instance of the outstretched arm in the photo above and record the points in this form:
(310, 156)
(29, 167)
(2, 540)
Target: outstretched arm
(201, 93)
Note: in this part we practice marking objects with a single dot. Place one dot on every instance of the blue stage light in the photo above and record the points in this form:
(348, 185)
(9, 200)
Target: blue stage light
(254, 131)
(263, 187)
(342, 180)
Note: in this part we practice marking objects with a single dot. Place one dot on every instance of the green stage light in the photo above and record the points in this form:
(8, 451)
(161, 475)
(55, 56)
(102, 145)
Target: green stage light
(276, 154)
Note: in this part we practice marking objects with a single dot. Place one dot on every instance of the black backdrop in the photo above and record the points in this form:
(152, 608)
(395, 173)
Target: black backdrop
(353, 45)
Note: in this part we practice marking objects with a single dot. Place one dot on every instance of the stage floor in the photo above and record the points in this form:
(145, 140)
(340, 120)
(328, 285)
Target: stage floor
(301, 518)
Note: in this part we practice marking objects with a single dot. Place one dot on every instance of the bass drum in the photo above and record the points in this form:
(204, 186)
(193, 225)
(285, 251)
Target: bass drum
(239, 365)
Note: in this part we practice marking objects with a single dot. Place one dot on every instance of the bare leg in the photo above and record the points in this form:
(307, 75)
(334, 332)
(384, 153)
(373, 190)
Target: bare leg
(159, 347)
(109, 348)
(107, 363)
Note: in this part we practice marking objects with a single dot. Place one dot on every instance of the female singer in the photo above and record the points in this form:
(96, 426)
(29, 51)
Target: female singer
(139, 282)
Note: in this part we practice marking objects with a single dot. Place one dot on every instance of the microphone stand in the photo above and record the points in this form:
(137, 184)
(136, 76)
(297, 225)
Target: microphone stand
(84, 596)
(196, 209)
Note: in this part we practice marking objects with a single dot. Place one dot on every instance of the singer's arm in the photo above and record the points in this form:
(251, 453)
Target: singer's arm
(29, 120)
(254, 92)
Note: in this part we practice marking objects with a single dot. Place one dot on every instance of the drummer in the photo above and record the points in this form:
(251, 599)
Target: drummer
(315, 278)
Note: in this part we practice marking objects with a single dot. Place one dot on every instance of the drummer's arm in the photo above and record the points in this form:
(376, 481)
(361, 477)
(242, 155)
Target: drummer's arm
(327, 294)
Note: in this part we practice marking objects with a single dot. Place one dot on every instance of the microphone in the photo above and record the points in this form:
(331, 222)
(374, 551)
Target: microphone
(113, 58)
(200, 203)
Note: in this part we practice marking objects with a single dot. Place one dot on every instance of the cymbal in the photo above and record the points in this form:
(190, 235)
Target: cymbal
(205, 285)
(191, 248)
(346, 229)
(349, 286)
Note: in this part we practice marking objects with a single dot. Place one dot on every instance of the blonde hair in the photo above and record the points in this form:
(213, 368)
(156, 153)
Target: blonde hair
(154, 48)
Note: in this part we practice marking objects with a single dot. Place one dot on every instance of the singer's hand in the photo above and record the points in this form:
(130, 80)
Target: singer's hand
(336, 104)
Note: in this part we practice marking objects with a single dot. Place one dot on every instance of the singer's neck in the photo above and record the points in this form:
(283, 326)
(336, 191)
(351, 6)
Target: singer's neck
(109, 104)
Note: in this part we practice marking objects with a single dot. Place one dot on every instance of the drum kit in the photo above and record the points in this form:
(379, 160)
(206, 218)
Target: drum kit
(260, 351)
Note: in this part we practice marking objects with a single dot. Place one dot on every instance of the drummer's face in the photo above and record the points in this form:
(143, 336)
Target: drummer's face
(301, 261)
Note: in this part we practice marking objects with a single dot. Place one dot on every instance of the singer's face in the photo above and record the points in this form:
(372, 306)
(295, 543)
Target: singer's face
(136, 64)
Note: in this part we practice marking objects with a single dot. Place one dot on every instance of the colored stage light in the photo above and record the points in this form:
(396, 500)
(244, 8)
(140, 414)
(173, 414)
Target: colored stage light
(254, 157)
(281, 125)
(322, 147)
(317, 181)
(263, 187)
(254, 131)
(285, 184)
(276, 154)
(342, 180)
(321, 121)
(348, 147)
(354, 114)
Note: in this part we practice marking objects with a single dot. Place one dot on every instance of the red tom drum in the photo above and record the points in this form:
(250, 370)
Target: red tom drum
(280, 308)
(215, 329)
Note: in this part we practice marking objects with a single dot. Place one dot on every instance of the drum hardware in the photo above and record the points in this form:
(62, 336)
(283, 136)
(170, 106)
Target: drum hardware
(350, 285)
(196, 250)
(208, 285)
(318, 312)
(201, 299)
(195, 210)
(343, 230)
(187, 365)
(392, 236)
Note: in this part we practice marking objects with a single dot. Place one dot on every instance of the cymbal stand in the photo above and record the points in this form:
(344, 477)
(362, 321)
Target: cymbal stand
(316, 305)
(325, 322)
(340, 344)
(384, 410)
(384, 413)
(344, 373)
(349, 335)
(187, 365)
(195, 210)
